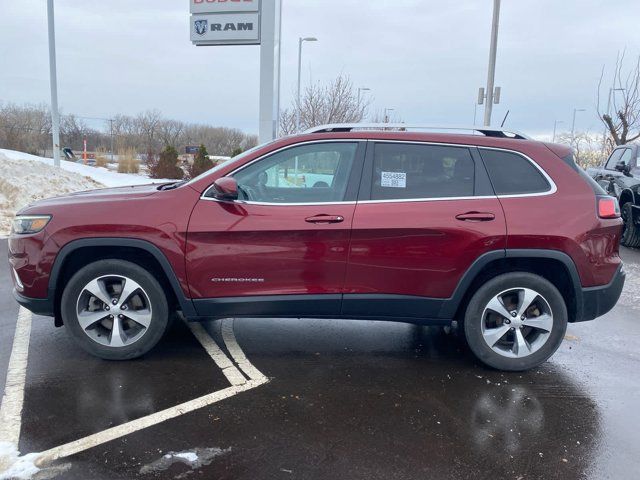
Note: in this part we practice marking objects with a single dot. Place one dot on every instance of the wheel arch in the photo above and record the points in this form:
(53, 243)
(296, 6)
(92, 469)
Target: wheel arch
(140, 252)
(627, 195)
(555, 266)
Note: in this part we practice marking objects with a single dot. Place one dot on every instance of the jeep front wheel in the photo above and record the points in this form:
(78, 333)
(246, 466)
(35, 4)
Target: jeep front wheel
(115, 309)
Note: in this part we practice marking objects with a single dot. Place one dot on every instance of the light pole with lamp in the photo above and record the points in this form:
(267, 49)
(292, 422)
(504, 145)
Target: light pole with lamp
(386, 114)
(573, 123)
(360, 90)
(301, 40)
(555, 125)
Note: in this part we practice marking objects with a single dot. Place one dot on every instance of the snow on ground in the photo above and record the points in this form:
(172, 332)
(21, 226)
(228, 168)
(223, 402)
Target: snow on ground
(99, 174)
(26, 178)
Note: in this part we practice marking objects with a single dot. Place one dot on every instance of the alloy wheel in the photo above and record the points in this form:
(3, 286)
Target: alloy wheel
(517, 322)
(114, 310)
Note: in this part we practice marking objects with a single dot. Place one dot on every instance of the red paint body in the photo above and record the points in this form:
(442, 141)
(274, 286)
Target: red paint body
(406, 248)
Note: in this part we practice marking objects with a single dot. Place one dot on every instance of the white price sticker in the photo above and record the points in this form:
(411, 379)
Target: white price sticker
(394, 179)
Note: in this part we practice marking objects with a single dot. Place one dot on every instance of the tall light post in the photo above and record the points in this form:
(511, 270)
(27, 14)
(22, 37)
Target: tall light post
(555, 125)
(55, 117)
(573, 123)
(360, 90)
(386, 114)
(301, 40)
(492, 62)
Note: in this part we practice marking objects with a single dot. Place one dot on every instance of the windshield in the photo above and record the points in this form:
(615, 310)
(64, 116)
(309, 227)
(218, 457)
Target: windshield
(224, 164)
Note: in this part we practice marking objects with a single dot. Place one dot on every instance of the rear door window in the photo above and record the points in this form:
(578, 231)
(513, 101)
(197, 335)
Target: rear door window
(513, 174)
(413, 171)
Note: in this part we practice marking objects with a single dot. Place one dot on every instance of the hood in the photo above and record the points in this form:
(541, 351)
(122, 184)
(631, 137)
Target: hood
(94, 196)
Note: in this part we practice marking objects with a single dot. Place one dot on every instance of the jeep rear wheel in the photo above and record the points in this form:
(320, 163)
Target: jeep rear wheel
(114, 309)
(516, 321)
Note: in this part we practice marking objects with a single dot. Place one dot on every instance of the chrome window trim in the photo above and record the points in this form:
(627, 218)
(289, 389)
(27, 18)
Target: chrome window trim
(552, 190)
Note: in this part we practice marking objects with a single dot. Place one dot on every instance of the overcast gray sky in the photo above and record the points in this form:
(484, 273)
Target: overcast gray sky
(426, 59)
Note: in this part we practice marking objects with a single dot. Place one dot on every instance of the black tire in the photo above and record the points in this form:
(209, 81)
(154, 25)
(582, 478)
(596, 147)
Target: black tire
(631, 233)
(156, 297)
(474, 317)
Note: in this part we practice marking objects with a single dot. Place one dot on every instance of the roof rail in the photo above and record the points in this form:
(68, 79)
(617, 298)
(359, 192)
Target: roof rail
(486, 131)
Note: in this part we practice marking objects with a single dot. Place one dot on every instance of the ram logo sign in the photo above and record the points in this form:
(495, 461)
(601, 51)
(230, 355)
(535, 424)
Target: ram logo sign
(200, 26)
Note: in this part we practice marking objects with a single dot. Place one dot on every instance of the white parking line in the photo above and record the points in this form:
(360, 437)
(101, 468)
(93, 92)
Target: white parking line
(230, 371)
(150, 420)
(236, 352)
(16, 377)
(12, 400)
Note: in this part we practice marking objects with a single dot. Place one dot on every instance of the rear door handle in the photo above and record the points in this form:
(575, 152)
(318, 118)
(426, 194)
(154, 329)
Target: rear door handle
(325, 219)
(476, 217)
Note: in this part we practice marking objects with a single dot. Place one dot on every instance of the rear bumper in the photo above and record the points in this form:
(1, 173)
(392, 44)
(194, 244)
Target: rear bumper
(39, 306)
(596, 301)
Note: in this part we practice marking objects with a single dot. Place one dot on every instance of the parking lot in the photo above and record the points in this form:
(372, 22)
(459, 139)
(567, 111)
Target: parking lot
(277, 398)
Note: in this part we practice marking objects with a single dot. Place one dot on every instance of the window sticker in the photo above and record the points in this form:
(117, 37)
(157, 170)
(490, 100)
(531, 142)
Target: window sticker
(394, 179)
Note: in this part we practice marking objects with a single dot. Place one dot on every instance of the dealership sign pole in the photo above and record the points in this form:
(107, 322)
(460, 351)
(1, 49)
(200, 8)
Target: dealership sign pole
(55, 117)
(246, 22)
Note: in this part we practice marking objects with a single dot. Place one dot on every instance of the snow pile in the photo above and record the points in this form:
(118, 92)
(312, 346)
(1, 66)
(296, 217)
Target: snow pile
(99, 174)
(24, 181)
(25, 178)
(12, 466)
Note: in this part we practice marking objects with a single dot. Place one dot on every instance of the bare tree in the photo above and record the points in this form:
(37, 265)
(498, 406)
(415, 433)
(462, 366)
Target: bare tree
(334, 103)
(28, 128)
(586, 148)
(148, 123)
(623, 125)
(170, 131)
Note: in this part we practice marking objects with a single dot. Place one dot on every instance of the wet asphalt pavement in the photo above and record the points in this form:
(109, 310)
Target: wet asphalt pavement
(346, 399)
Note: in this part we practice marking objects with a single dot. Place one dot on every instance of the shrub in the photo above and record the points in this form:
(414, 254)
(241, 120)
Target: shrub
(201, 163)
(165, 165)
(128, 161)
(102, 160)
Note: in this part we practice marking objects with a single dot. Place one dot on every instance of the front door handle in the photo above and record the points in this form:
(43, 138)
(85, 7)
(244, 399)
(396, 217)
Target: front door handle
(325, 219)
(476, 217)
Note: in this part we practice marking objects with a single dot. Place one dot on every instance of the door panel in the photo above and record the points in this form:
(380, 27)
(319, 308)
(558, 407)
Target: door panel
(419, 248)
(244, 249)
(270, 242)
(411, 244)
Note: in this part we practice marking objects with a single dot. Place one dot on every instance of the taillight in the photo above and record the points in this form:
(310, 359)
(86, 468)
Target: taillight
(608, 207)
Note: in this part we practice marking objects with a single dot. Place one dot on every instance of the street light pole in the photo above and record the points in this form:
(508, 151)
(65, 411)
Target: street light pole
(573, 123)
(55, 117)
(386, 114)
(492, 62)
(362, 89)
(555, 125)
(300, 41)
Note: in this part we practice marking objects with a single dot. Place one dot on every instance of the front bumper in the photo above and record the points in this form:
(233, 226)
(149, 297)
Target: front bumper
(39, 306)
(596, 301)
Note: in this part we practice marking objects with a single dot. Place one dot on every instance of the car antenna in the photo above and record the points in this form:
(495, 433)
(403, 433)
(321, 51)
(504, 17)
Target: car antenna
(505, 119)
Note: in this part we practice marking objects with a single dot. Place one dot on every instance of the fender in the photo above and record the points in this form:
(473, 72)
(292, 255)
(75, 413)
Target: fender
(628, 192)
(450, 307)
(186, 304)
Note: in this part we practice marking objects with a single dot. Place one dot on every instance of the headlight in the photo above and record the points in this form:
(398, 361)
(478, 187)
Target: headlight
(23, 224)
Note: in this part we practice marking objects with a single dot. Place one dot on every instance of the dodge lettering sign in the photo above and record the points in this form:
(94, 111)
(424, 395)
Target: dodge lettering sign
(224, 6)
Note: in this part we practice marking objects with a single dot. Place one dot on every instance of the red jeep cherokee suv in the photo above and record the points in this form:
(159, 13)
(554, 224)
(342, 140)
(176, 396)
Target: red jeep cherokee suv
(501, 233)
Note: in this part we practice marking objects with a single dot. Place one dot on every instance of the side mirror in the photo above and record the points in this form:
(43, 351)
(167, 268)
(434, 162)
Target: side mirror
(225, 188)
(622, 167)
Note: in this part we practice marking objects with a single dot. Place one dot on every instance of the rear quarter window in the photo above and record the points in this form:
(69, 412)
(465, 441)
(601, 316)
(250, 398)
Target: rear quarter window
(513, 174)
